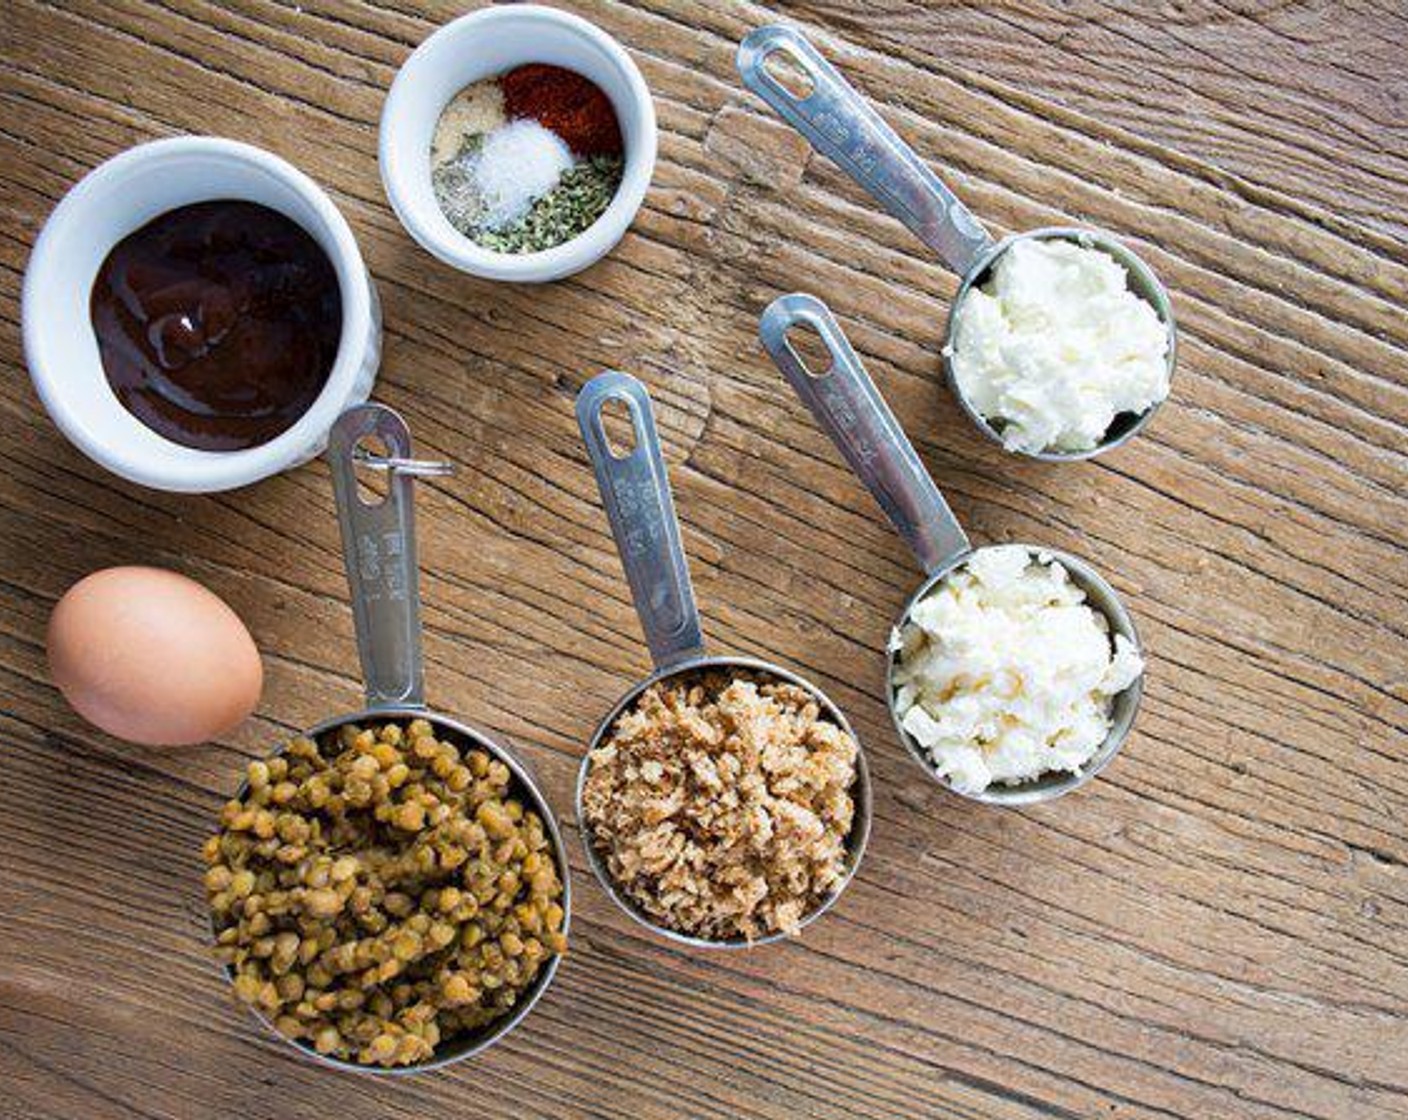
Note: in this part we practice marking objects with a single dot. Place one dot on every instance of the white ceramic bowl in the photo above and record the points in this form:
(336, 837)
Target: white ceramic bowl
(483, 44)
(115, 199)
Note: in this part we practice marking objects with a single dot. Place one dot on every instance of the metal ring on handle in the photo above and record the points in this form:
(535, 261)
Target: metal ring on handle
(379, 552)
(395, 464)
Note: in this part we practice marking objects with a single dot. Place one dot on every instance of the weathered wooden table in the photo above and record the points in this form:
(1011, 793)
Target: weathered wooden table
(1217, 928)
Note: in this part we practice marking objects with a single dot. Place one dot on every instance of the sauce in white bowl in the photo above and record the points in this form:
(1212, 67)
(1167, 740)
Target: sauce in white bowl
(109, 204)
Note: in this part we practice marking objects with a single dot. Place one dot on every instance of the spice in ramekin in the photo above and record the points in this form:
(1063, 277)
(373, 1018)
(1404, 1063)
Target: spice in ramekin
(565, 102)
(526, 160)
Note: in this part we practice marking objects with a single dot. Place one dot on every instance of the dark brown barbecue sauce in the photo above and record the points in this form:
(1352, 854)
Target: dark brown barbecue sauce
(218, 323)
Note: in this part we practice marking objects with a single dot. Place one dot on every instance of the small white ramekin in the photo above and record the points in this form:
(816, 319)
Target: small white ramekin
(124, 194)
(483, 44)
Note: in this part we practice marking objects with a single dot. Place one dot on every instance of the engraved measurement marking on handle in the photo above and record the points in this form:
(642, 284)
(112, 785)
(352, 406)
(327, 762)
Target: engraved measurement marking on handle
(639, 534)
(838, 407)
(865, 156)
(380, 579)
(833, 127)
(379, 552)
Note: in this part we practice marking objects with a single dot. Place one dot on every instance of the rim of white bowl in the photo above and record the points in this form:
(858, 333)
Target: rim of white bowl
(192, 470)
(433, 231)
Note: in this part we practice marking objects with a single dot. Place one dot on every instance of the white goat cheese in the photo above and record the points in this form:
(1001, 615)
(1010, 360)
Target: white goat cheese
(1054, 346)
(1004, 673)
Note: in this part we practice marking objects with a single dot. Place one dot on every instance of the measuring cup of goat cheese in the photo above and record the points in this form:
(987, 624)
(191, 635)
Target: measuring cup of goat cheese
(1015, 672)
(1060, 342)
(388, 890)
(725, 801)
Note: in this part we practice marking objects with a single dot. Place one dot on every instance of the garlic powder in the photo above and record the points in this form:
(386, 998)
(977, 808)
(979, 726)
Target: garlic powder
(475, 110)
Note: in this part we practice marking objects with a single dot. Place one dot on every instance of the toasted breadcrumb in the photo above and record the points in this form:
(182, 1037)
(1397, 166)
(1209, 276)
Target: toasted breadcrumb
(721, 804)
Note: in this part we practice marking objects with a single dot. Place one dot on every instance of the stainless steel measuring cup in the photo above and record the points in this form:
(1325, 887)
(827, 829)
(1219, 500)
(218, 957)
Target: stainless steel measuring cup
(379, 551)
(851, 411)
(840, 125)
(636, 493)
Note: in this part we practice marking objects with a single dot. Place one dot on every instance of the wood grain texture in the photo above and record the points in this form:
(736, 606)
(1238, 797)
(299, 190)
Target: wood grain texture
(1217, 928)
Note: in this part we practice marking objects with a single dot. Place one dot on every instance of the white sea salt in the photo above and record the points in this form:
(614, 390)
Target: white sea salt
(514, 167)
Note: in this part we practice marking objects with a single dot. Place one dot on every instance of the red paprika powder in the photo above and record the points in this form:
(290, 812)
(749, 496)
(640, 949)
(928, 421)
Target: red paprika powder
(565, 103)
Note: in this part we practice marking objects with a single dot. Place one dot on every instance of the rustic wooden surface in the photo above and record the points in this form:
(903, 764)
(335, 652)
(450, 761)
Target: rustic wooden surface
(1218, 928)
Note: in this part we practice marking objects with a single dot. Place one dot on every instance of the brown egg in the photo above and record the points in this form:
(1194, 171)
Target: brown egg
(153, 657)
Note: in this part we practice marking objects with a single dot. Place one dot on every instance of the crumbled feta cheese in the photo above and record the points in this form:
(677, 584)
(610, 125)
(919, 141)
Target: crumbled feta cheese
(1054, 346)
(1003, 673)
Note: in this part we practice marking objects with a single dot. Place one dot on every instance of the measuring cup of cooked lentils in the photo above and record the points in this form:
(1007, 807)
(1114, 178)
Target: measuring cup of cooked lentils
(725, 801)
(1060, 341)
(1014, 670)
(388, 891)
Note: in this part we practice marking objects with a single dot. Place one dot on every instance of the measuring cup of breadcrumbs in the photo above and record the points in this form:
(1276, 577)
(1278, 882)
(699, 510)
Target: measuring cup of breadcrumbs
(379, 551)
(790, 75)
(851, 411)
(725, 801)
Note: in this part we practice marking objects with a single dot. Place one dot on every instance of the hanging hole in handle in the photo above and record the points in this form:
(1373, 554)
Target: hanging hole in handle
(784, 69)
(373, 484)
(619, 427)
(810, 350)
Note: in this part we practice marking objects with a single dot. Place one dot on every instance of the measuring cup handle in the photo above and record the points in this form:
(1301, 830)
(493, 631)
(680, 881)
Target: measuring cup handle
(635, 490)
(379, 552)
(843, 127)
(852, 412)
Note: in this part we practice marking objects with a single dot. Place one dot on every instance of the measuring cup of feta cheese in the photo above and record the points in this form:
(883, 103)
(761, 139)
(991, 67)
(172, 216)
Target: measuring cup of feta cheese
(1014, 671)
(1060, 342)
(717, 817)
